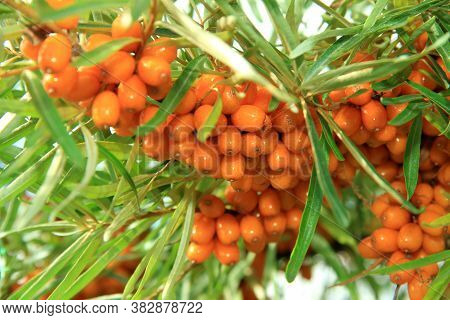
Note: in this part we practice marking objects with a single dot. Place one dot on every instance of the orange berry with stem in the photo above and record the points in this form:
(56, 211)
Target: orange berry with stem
(252, 229)
(418, 287)
(29, 50)
(401, 276)
(203, 229)
(55, 53)
(211, 206)
(123, 27)
(249, 91)
(426, 218)
(348, 119)
(248, 118)
(269, 203)
(359, 98)
(227, 254)
(366, 249)
(232, 167)
(410, 237)
(423, 195)
(106, 109)
(384, 240)
(132, 94)
(228, 229)
(443, 175)
(245, 202)
(187, 104)
(207, 87)
(373, 115)
(229, 141)
(230, 100)
(61, 83)
(433, 244)
(256, 247)
(161, 48)
(395, 217)
(119, 67)
(275, 226)
(96, 40)
(251, 145)
(199, 253)
(154, 71)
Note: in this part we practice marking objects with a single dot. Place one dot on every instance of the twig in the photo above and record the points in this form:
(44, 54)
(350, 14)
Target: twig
(10, 73)
(359, 275)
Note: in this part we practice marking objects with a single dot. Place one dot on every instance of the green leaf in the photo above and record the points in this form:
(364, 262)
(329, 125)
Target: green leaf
(412, 110)
(412, 156)
(414, 264)
(376, 11)
(307, 228)
(204, 132)
(436, 98)
(47, 109)
(138, 8)
(101, 53)
(437, 288)
(45, 227)
(175, 95)
(21, 107)
(392, 82)
(435, 34)
(438, 121)
(439, 222)
(326, 131)
(401, 99)
(323, 174)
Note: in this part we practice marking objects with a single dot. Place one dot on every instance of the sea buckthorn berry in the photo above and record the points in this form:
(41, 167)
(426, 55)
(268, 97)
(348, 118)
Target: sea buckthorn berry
(211, 206)
(187, 104)
(285, 120)
(397, 146)
(228, 229)
(244, 184)
(442, 65)
(380, 205)
(269, 140)
(410, 238)
(230, 100)
(275, 225)
(293, 219)
(361, 136)
(29, 50)
(269, 203)
(61, 83)
(301, 191)
(296, 140)
(245, 202)
(199, 253)
(148, 113)
(286, 179)
(184, 148)
(202, 114)
(263, 98)
(440, 150)
(443, 175)
(348, 119)
(96, 40)
(181, 127)
(106, 109)
(229, 194)
(332, 162)
(154, 71)
(386, 134)
(431, 269)
(119, 67)
(256, 247)
(441, 196)
(132, 94)
(65, 23)
(251, 145)
(207, 87)
(206, 158)
(418, 287)
(366, 249)
(127, 123)
(227, 254)
(401, 276)
(160, 92)
(123, 27)
(400, 187)
(421, 41)
(426, 218)
(373, 115)
(260, 183)
(384, 240)
(156, 145)
(249, 90)
(395, 217)
(345, 171)
(55, 53)
(279, 159)
(433, 244)
(229, 141)
(288, 200)
(423, 195)
(248, 118)
(203, 229)
(428, 129)
(337, 96)
(232, 167)
(362, 57)
(388, 170)
(415, 76)
(378, 155)
(87, 85)
(436, 208)
(359, 99)
(161, 48)
(252, 230)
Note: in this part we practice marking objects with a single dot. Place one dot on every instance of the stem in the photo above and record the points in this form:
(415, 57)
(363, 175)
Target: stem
(359, 275)
(15, 72)
(334, 13)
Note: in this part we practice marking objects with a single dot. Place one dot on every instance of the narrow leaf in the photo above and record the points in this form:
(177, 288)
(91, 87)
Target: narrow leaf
(412, 157)
(210, 123)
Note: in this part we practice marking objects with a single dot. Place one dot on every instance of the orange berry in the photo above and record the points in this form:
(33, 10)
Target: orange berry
(207, 87)
(442, 65)
(283, 180)
(206, 158)
(337, 96)
(148, 113)
(373, 115)
(362, 57)
(418, 287)
(440, 195)
(55, 53)
(245, 202)
(184, 149)
(127, 124)
(251, 145)
(388, 170)
(285, 120)
(386, 134)
(263, 98)
(361, 136)
(160, 48)
(296, 140)
(181, 127)
(433, 244)
(211, 206)
(154, 71)
(70, 22)
(400, 187)
(252, 230)
(132, 94)
(366, 249)
(202, 114)
(199, 253)
(155, 145)
(415, 76)
(269, 203)
(397, 146)
(402, 276)
(380, 205)
(244, 184)
(256, 247)
(96, 40)
(203, 229)
(119, 67)
(279, 159)
(439, 150)
(395, 217)
(29, 50)
(227, 254)
(288, 200)
(260, 183)
(229, 141)
(360, 99)
(160, 92)
(384, 240)
(187, 104)
(249, 90)
(232, 167)
(275, 225)
(436, 208)
(444, 175)
(106, 109)
(269, 141)
(87, 85)
(228, 229)
(421, 41)
(230, 100)
(61, 83)
(248, 118)
(423, 195)
(348, 119)
(427, 217)
(410, 238)
(123, 27)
